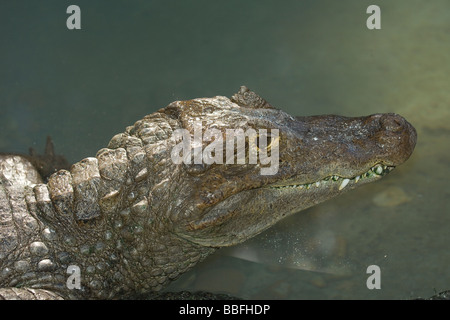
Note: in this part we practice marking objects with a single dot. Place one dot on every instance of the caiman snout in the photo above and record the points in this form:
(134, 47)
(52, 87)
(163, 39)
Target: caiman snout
(396, 136)
(393, 122)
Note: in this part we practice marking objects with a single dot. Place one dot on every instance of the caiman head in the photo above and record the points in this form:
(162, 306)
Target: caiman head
(173, 171)
(319, 157)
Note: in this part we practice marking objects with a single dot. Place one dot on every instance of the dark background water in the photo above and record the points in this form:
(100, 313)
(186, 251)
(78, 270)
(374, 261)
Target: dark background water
(307, 57)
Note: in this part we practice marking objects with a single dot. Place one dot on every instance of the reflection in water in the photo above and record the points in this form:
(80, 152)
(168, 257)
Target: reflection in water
(312, 248)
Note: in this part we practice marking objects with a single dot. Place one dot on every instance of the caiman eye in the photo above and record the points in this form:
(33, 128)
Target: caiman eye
(266, 141)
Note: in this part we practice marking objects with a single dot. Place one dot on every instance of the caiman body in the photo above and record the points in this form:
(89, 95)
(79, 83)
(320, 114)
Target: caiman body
(132, 220)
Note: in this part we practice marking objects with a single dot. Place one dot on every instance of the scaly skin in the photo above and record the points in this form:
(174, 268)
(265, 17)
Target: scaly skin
(133, 220)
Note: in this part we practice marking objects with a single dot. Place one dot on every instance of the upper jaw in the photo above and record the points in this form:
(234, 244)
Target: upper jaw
(343, 149)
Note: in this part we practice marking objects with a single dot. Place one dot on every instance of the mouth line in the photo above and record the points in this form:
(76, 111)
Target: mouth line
(377, 171)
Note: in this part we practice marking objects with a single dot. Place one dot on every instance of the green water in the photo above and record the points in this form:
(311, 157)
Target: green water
(306, 57)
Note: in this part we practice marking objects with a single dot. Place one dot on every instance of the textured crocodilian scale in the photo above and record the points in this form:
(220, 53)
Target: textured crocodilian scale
(132, 220)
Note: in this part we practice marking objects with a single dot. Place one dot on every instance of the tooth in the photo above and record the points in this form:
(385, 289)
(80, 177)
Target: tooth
(378, 169)
(357, 178)
(343, 184)
(317, 184)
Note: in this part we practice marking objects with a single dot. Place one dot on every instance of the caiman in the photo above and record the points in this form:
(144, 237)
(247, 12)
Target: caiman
(130, 220)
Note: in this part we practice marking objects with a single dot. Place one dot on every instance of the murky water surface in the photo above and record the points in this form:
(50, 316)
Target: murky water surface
(306, 57)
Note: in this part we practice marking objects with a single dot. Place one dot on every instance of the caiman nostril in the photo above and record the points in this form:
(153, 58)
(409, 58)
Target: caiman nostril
(392, 122)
